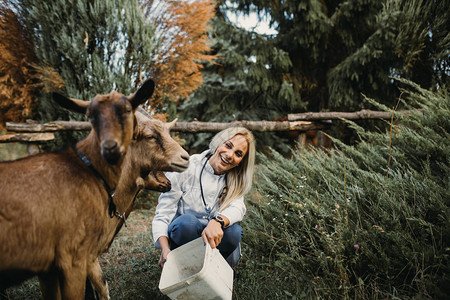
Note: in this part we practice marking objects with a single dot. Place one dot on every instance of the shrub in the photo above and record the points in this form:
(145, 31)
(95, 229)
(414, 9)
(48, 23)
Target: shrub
(366, 221)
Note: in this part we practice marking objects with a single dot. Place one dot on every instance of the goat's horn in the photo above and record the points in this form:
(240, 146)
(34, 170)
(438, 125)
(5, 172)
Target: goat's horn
(172, 124)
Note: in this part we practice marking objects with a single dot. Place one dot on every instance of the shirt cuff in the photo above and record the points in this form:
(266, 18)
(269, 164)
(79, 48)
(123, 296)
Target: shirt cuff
(233, 214)
(157, 233)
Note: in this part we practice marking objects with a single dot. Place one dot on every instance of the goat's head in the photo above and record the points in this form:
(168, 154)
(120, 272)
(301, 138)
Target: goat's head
(155, 181)
(112, 118)
(157, 149)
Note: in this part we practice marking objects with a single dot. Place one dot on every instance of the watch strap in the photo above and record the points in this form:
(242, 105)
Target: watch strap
(220, 220)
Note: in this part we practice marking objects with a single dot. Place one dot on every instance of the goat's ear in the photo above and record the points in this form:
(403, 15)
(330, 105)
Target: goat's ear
(72, 104)
(145, 92)
(171, 124)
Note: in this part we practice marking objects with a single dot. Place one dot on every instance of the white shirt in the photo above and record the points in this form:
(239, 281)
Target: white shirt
(185, 197)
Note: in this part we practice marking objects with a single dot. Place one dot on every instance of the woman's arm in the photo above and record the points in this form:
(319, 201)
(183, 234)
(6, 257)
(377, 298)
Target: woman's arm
(213, 232)
(167, 207)
(235, 211)
(163, 242)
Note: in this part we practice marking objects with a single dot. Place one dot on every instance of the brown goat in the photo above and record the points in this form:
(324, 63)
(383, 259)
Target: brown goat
(53, 206)
(153, 150)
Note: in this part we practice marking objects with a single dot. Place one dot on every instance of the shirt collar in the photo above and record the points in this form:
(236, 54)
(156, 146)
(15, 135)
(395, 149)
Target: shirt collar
(208, 167)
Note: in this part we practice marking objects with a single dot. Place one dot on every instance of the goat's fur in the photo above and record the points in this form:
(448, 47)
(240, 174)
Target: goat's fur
(54, 210)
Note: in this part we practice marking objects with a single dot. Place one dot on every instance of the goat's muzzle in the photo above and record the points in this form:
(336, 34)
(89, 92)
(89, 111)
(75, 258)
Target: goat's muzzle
(111, 152)
(181, 163)
(165, 187)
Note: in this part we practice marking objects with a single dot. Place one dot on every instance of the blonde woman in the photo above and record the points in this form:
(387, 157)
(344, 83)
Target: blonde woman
(207, 199)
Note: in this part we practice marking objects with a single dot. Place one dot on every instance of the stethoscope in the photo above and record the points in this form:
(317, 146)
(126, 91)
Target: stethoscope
(223, 193)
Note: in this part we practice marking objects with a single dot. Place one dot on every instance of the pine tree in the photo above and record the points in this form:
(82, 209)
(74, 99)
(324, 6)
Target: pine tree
(326, 55)
(236, 87)
(340, 49)
(97, 46)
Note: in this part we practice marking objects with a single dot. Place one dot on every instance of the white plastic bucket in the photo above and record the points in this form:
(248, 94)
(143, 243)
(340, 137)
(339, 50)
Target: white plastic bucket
(195, 271)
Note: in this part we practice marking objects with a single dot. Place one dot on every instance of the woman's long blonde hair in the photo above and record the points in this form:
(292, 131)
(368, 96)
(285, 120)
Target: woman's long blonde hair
(239, 178)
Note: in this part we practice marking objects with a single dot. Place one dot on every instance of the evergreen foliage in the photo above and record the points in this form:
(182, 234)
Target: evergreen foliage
(339, 49)
(325, 56)
(241, 84)
(97, 46)
(367, 221)
(94, 46)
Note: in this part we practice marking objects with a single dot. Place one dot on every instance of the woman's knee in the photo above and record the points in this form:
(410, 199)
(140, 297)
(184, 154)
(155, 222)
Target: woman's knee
(184, 229)
(232, 235)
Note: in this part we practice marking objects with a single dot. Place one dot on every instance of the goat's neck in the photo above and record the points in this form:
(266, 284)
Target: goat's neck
(90, 147)
(126, 189)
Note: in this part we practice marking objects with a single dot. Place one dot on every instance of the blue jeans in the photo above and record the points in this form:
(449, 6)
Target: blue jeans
(186, 228)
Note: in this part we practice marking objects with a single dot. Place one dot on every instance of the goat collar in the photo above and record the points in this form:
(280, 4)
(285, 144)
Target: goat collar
(112, 206)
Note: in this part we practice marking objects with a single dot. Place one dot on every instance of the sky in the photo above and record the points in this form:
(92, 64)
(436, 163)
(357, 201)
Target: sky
(251, 22)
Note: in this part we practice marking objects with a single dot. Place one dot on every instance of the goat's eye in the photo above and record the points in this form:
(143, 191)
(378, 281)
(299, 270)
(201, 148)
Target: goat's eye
(92, 113)
(127, 107)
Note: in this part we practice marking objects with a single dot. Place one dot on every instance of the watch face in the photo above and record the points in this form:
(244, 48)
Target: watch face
(220, 220)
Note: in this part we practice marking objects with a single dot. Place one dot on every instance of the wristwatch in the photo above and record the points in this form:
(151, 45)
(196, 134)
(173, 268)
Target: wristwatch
(220, 220)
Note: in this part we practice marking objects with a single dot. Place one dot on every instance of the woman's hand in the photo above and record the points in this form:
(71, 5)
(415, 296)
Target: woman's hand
(163, 242)
(213, 234)
(163, 257)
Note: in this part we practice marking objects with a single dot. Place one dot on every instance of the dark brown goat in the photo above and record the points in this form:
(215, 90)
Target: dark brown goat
(154, 149)
(53, 206)
(156, 181)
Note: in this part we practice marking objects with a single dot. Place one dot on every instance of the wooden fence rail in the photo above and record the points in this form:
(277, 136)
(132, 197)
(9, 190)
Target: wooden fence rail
(192, 127)
(334, 115)
(35, 132)
(27, 137)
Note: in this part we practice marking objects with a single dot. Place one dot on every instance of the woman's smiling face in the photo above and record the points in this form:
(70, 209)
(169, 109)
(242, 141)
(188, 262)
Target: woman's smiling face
(229, 154)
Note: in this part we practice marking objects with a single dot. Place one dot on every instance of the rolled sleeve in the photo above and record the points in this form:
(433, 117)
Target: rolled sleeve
(235, 211)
